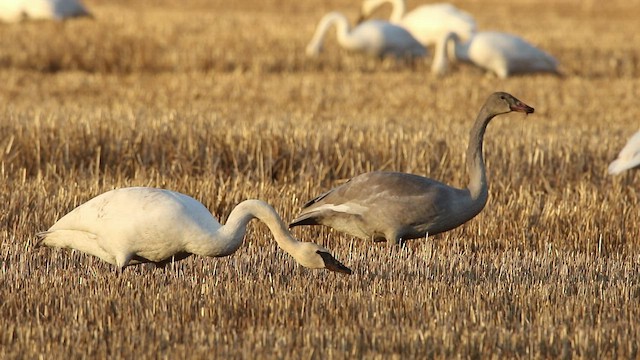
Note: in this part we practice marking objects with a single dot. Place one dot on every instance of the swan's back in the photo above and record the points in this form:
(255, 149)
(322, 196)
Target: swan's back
(508, 54)
(152, 223)
(429, 23)
(381, 38)
(134, 204)
(389, 205)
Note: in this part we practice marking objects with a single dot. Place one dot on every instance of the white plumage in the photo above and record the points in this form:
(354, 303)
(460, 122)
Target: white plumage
(17, 10)
(137, 225)
(501, 53)
(427, 23)
(629, 156)
(11, 10)
(374, 37)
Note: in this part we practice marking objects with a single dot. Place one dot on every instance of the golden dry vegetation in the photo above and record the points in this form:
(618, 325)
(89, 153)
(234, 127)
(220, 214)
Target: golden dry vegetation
(217, 100)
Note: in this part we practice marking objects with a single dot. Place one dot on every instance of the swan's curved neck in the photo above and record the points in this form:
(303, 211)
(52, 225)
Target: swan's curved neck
(478, 188)
(342, 29)
(440, 59)
(398, 8)
(457, 50)
(235, 228)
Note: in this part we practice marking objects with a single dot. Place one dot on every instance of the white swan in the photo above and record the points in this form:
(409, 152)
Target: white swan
(17, 10)
(396, 206)
(629, 156)
(11, 10)
(136, 225)
(501, 53)
(376, 38)
(427, 23)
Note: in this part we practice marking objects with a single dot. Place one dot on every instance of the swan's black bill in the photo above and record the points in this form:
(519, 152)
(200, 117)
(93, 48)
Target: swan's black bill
(522, 107)
(330, 263)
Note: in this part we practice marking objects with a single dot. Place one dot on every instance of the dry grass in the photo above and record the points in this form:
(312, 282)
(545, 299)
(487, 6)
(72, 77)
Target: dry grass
(161, 94)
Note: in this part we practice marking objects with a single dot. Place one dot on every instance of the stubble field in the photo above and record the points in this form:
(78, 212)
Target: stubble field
(217, 100)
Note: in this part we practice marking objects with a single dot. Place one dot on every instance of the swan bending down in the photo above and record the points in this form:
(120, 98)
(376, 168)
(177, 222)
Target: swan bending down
(427, 23)
(17, 10)
(135, 225)
(502, 53)
(374, 37)
(629, 156)
(395, 206)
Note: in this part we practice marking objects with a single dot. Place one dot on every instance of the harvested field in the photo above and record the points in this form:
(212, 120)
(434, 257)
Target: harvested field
(218, 100)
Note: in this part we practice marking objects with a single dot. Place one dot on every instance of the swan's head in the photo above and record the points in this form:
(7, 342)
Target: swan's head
(502, 103)
(314, 256)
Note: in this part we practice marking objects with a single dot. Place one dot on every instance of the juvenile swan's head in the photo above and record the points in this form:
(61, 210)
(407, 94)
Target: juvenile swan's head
(502, 103)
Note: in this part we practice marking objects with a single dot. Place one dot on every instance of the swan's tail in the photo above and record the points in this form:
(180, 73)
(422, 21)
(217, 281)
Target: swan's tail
(41, 237)
(82, 241)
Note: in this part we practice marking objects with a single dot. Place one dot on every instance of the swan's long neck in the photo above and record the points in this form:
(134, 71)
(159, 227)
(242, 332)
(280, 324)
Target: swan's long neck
(440, 58)
(458, 50)
(342, 30)
(234, 230)
(475, 162)
(398, 8)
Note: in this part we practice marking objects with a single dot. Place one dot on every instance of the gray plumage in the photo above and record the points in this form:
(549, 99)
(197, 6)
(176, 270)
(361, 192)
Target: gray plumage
(396, 206)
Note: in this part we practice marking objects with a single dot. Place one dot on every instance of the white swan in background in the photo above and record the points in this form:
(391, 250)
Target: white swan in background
(17, 10)
(629, 156)
(375, 37)
(395, 206)
(137, 225)
(11, 10)
(501, 53)
(427, 23)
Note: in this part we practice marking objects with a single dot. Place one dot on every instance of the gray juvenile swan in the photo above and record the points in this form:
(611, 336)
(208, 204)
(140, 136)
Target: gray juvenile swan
(135, 225)
(395, 206)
